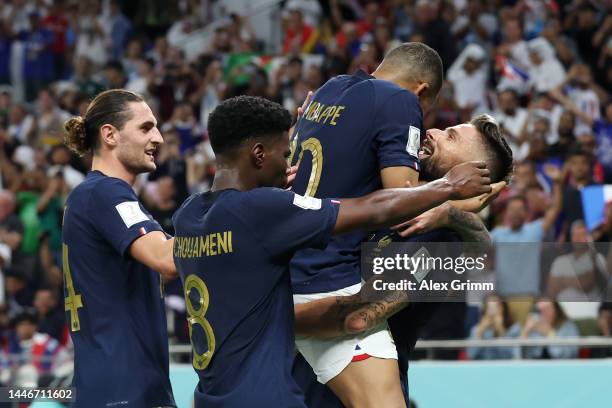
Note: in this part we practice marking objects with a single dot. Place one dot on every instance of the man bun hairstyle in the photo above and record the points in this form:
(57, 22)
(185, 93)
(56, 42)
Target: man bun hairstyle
(238, 119)
(109, 107)
(75, 137)
(499, 155)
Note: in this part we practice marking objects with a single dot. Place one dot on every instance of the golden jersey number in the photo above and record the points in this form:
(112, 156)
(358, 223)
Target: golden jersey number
(316, 150)
(196, 314)
(72, 301)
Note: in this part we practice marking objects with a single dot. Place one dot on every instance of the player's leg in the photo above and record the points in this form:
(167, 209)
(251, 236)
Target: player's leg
(354, 366)
(373, 382)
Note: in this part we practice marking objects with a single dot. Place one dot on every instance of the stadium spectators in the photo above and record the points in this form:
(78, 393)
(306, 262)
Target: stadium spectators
(517, 249)
(549, 321)
(494, 323)
(543, 70)
(576, 278)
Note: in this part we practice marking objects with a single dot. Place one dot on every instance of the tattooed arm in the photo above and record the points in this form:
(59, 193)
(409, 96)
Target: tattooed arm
(341, 315)
(468, 225)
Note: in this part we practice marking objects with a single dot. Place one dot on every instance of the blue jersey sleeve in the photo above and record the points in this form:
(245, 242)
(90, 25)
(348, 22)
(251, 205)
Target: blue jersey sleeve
(285, 222)
(397, 131)
(118, 216)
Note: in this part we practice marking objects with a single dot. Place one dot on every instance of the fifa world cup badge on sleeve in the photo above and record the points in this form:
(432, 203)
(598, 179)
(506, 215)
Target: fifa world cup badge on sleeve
(414, 141)
(131, 213)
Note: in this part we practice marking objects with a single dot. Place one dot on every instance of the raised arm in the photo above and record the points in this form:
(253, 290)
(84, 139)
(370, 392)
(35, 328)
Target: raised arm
(385, 208)
(551, 214)
(558, 95)
(340, 315)
(336, 316)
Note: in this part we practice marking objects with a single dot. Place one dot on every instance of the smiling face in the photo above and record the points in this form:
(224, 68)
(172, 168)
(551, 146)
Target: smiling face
(444, 149)
(139, 139)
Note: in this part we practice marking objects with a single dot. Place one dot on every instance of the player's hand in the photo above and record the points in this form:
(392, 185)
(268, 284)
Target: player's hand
(302, 109)
(468, 180)
(435, 218)
(291, 172)
(476, 204)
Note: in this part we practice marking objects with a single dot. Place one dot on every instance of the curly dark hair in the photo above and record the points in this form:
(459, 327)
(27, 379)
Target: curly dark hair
(244, 117)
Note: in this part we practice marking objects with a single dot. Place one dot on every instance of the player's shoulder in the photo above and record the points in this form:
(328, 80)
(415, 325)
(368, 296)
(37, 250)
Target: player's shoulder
(385, 90)
(267, 195)
(189, 202)
(185, 209)
(346, 84)
(275, 200)
(102, 184)
(97, 186)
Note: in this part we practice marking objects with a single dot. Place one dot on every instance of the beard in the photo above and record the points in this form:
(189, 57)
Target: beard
(136, 162)
(430, 169)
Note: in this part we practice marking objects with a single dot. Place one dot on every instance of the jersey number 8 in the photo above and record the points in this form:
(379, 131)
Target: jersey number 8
(196, 317)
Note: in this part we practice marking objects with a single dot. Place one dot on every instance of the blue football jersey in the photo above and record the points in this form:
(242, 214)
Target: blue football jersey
(232, 250)
(113, 303)
(355, 126)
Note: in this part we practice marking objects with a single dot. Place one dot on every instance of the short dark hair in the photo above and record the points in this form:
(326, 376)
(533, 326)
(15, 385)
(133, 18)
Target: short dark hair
(109, 107)
(244, 117)
(499, 155)
(418, 62)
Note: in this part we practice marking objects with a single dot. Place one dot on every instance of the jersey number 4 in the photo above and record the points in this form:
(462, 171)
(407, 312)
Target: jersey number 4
(72, 301)
(196, 311)
(316, 150)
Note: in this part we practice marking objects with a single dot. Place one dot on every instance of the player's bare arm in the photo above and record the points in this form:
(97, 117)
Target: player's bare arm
(155, 250)
(341, 315)
(388, 207)
(459, 216)
(335, 316)
(397, 177)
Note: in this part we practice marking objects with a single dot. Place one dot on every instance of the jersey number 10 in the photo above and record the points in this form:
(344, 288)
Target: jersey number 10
(316, 150)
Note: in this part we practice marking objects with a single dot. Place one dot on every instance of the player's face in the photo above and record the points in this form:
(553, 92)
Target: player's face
(139, 139)
(275, 166)
(443, 149)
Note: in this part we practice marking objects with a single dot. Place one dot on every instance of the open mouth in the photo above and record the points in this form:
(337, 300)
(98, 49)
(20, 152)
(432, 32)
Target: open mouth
(426, 150)
(151, 153)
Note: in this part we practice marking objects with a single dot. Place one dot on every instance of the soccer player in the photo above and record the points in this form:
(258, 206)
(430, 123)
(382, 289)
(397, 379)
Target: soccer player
(233, 246)
(442, 149)
(111, 248)
(360, 133)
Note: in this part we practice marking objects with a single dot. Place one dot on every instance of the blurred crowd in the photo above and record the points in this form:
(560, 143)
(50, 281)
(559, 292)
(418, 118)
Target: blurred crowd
(543, 68)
